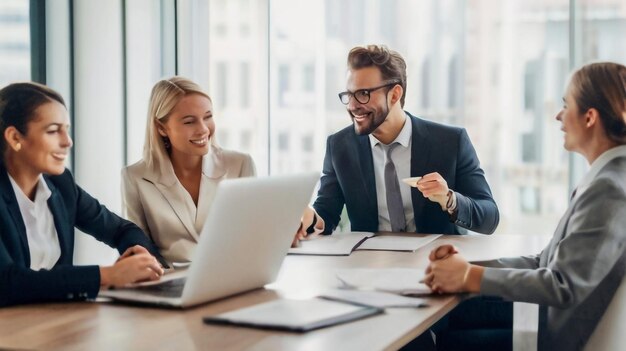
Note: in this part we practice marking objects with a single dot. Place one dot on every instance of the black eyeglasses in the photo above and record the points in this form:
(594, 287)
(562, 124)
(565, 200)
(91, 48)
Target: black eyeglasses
(362, 96)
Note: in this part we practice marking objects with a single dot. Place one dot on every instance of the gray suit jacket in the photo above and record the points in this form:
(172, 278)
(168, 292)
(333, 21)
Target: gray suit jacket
(574, 278)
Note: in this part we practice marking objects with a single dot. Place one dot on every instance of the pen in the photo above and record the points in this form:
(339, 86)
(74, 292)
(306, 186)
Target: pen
(311, 228)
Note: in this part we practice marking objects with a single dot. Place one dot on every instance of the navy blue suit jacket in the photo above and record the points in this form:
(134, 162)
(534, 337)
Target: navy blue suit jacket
(71, 207)
(348, 178)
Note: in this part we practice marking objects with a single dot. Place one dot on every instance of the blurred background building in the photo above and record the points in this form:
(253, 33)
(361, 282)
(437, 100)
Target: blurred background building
(274, 68)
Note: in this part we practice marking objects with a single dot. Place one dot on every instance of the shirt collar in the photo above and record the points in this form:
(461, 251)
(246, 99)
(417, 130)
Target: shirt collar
(403, 138)
(598, 164)
(42, 194)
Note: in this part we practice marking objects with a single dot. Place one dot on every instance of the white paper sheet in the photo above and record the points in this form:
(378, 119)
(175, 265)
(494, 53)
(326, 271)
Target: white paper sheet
(373, 298)
(404, 281)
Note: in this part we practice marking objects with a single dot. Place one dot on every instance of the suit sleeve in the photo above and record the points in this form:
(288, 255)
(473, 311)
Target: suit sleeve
(583, 258)
(104, 225)
(329, 201)
(132, 208)
(476, 209)
(20, 285)
(521, 262)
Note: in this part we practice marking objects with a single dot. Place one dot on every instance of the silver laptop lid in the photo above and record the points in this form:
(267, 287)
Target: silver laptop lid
(247, 234)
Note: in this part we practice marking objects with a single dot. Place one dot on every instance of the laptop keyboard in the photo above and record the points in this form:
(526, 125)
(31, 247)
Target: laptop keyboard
(170, 288)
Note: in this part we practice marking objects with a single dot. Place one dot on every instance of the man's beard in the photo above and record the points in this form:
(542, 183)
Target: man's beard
(372, 122)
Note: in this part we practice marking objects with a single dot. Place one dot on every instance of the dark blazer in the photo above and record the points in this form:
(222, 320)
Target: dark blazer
(71, 207)
(348, 178)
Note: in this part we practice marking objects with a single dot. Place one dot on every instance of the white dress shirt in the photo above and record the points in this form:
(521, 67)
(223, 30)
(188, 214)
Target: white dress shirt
(596, 166)
(43, 241)
(401, 157)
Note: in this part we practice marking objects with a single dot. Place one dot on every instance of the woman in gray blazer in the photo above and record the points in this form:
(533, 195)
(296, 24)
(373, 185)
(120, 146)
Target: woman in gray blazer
(169, 193)
(574, 278)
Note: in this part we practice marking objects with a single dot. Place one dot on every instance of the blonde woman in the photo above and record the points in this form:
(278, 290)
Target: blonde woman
(169, 192)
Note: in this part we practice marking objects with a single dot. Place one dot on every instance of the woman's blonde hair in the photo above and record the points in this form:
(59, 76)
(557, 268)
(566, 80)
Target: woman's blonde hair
(165, 95)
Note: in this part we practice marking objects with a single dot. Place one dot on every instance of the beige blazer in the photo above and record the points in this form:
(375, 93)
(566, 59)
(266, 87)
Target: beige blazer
(158, 203)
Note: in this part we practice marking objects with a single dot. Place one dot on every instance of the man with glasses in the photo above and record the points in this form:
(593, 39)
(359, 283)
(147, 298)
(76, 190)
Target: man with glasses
(365, 164)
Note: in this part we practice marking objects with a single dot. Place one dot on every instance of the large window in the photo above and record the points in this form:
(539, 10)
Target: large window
(146, 63)
(274, 67)
(14, 41)
(223, 46)
(495, 68)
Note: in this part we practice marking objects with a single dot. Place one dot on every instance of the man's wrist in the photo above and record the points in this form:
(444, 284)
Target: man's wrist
(451, 202)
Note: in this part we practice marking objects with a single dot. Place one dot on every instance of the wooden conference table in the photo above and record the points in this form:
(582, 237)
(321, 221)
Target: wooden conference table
(105, 326)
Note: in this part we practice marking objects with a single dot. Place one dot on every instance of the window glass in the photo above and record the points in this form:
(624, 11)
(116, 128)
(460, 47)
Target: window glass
(235, 53)
(495, 68)
(14, 41)
(145, 65)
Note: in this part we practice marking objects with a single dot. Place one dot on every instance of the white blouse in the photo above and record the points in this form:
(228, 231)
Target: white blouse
(43, 241)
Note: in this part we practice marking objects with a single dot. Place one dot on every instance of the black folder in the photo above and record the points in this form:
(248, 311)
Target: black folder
(294, 315)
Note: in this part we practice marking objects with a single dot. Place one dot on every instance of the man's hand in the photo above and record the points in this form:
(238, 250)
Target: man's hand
(435, 188)
(308, 218)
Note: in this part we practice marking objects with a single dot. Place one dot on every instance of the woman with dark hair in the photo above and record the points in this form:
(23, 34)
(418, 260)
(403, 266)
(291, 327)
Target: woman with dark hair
(41, 205)
(575, 277)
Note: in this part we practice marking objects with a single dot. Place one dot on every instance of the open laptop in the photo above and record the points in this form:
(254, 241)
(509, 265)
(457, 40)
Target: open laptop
(242, 244)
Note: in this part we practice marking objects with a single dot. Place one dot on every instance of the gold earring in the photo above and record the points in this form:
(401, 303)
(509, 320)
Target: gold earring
(17, 147)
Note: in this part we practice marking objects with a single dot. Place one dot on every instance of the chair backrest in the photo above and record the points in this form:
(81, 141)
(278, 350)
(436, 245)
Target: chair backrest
(609, 333)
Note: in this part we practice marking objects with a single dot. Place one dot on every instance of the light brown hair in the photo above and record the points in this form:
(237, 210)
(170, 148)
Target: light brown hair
(602, 86)
(390, 63)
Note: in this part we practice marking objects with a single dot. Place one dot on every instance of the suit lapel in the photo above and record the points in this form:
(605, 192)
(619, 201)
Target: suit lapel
(420, 156)
(164, 179)
(8, 196)
(179, 204)
(64, 229)
(559, 232)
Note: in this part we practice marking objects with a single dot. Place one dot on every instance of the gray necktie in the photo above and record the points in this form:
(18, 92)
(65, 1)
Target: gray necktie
(394, 199)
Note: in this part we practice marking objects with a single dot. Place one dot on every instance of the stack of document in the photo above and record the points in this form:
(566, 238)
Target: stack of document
(403, 281)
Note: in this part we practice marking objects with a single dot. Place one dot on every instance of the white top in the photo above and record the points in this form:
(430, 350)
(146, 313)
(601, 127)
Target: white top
(401, 157)
(43, 241)
(597, 165)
